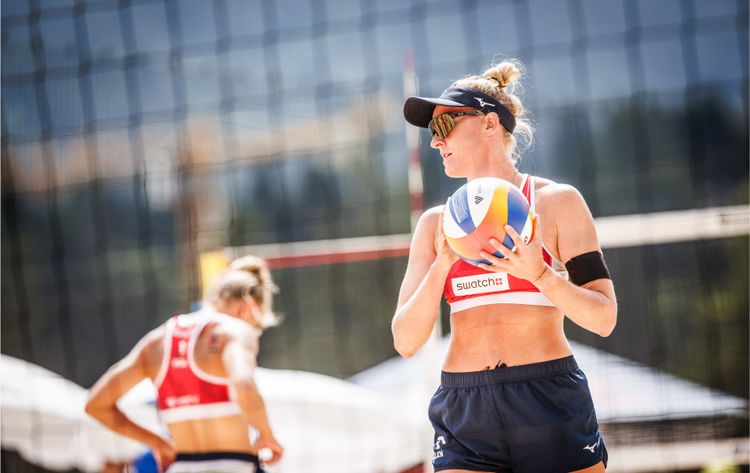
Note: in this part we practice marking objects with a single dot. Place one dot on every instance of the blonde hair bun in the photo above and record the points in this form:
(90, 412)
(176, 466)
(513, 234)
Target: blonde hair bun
(258, 269)
(506, 73)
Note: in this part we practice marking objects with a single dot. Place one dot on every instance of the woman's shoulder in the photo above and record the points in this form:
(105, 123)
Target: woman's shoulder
(219, 321)
(151, 349)
(222, 328)
(430, 217)
(547, 187)
(559, 198)
(426, 229)
(433, 212)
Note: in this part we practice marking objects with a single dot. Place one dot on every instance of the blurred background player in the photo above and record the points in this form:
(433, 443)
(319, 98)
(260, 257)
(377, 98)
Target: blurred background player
(202, 365)
(512, 397)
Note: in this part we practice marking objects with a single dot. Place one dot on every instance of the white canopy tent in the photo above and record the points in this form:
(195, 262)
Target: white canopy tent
(325, 424)
(43, 419)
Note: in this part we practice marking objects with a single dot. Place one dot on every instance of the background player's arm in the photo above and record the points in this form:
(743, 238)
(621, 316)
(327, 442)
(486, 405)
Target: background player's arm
(103, 396)
(592, 306)
(239, 360)
(430, 260)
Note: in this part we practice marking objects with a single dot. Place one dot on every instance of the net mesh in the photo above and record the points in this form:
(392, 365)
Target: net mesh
(138, 135)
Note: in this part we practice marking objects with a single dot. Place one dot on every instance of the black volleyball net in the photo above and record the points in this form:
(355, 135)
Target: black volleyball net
(146, 143)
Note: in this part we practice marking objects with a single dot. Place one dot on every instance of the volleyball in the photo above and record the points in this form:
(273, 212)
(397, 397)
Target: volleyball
(479, 211)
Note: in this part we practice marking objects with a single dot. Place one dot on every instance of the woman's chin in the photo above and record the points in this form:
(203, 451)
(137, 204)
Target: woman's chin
(450, 172)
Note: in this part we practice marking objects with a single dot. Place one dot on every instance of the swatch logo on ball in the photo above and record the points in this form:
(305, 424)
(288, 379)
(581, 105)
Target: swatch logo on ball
(480, 284)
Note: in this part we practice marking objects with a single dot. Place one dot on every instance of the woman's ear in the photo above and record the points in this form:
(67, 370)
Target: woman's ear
(249, 311)
(491, 123)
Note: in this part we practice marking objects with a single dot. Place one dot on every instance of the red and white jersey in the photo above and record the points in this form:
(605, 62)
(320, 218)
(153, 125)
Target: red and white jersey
(185, 392)
(469, 286)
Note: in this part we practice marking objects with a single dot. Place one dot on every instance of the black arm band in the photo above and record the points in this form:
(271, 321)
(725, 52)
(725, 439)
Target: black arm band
(587, 267)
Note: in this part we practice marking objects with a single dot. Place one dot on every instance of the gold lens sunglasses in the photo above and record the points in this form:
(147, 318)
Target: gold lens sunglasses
(441, 125)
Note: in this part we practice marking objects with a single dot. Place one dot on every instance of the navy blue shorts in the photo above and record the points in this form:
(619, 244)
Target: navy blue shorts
(536, 418)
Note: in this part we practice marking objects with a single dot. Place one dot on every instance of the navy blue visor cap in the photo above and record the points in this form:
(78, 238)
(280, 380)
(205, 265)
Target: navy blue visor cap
(418, 110)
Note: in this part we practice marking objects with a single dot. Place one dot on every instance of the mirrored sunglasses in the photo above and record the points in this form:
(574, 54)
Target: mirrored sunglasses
(441, 125)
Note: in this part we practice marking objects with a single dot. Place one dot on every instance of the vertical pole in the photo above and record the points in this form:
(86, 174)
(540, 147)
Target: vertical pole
(416, 198)
(430, 352)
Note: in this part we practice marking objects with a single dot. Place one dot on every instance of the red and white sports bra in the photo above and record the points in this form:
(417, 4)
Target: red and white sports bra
(468, 286)
(185, 392)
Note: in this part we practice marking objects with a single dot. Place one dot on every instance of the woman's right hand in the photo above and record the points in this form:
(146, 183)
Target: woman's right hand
(445, 256)
(164, 453)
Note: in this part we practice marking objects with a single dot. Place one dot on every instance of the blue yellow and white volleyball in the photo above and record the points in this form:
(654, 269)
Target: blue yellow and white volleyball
(479, 211)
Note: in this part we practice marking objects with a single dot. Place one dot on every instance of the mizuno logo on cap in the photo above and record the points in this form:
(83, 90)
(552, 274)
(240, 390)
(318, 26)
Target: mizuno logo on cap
(477, 199)
(482, 103)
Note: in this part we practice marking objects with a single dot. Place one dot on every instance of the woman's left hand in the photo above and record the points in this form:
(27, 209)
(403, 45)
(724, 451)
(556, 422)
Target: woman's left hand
(523, 261)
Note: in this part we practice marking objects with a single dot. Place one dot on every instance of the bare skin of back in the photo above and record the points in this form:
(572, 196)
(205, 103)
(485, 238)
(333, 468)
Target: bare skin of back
(227, 347)
(214, 434)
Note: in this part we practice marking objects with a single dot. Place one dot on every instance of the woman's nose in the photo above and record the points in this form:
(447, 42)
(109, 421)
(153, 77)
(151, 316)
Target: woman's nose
(436, 141)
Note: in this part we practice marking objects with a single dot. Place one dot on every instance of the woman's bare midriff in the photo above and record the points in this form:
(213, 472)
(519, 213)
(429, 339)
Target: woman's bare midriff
(221, 434)
(487, 336)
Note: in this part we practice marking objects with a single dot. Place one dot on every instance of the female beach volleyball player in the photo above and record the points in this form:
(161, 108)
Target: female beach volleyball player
(202, 365)
(511, 396)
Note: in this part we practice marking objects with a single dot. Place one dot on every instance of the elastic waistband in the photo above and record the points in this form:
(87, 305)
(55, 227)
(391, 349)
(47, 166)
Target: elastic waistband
(208, 456)
(509, 374)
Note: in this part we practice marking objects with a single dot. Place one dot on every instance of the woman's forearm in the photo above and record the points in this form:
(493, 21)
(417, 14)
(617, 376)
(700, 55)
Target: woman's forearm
(114, 419)
(415, 319)
(588, 308)
(253, 407)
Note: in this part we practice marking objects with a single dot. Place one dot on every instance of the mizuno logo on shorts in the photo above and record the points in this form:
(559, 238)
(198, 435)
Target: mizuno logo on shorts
(480, 284)
(592, 448)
